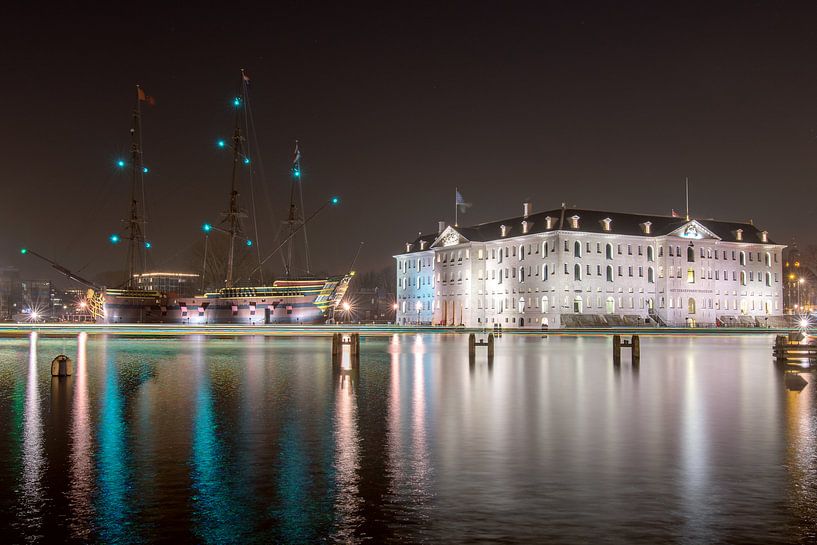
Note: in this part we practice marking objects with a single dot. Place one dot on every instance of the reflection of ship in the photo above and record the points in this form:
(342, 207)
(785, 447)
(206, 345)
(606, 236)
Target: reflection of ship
(301, 300)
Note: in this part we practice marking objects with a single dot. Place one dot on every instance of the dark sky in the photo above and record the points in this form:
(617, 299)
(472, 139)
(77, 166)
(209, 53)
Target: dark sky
(601, 105)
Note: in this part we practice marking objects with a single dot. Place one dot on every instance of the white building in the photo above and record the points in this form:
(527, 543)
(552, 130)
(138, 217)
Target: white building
(570, 267)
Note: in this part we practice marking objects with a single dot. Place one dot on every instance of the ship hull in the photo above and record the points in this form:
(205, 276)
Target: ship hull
(285, 302)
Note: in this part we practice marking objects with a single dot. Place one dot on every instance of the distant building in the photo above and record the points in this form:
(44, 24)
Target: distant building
(574, 267)
(800, 289)
(37, 295)
(11, 292)
(174, 283)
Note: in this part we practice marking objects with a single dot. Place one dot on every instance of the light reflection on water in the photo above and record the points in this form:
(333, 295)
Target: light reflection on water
(259, 440)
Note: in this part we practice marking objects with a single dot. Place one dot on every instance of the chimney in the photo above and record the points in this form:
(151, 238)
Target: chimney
(526, 209)
(440, 226)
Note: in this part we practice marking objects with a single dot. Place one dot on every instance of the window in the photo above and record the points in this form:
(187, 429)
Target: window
(768, 279)
(650, 275)
(566, 247)
(690, 275)
(630, 271)
(609, 251)
(577, 249)
(650, 253)
(577, 272)
(629, 249)
(691, 305)
(545, 271)
(768, 259)
(521, 252)
(742, 258)
(690, 254)
(742, 278)
(609, 273)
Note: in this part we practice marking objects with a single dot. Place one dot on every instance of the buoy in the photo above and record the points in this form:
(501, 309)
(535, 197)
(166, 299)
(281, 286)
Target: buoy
(62, 366)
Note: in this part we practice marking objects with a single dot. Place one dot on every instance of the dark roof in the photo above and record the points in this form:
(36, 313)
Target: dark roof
(590, 221)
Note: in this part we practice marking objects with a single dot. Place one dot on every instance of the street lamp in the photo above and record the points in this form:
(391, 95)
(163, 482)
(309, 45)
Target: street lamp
(799, 283)
(418, 306)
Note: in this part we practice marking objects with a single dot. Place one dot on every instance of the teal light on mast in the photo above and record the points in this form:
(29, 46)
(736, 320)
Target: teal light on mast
(334, 201)
(221, 143)
(120, 163)
(246, 160)
(24, 251)
(249, 242)
(296, 172)
(206, 227)
(114, 239)
(148, 245)
(145, 170)
(237, 102)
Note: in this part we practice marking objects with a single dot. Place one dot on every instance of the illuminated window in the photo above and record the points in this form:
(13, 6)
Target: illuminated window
(690, 275)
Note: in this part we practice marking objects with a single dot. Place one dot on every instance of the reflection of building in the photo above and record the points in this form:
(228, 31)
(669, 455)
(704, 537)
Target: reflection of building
(799, 295)
(178, 284)
(573, 267)
(11, 295)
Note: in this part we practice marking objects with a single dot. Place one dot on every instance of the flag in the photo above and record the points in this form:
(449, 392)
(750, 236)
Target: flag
(675, 214)
(461, 204)
(296, 157)
(145, 98)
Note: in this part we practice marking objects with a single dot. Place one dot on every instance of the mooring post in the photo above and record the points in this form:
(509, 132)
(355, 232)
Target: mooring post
(616, 349)
(472, 345)
(355, 350)
(636, 349)
(62, 366)
(490, 347)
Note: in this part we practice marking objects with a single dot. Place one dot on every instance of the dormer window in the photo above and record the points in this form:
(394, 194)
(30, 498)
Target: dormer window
(548, 223)
(503, 229)
(764, 236)
(739, 234)
(606, 223)
(574, 222)
(525, 227)
(422, 245)
(408, 247)
(646, 227)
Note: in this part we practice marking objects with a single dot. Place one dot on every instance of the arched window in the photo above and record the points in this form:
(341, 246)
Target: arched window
(650, 253)
(545, 249)
(545, 271)
(743, 258)
(768, 278)
(610, 305)
(690, 254)
(577, 249)
(609, 273)
(742, 277)
(691, 305)
(650, 275)
(521, 252)
(544, 303)
(768, 259)
(608, 251)
(521, 274)
(577, 304)
(521, 304)
(577, 272)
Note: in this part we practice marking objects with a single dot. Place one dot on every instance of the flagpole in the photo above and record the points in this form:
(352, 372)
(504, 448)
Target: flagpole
(456, 207)
(686, 184)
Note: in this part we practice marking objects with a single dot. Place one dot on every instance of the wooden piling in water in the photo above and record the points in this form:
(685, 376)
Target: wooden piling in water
(616, 350)
(490, 347)
(636, 350)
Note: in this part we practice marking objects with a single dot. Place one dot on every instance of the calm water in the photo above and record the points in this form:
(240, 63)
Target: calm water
(256, 440)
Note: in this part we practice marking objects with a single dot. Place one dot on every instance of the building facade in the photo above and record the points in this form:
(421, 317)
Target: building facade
(572, 267)
(174, 283)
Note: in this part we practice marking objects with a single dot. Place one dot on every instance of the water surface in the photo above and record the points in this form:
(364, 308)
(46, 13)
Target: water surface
(258, 440)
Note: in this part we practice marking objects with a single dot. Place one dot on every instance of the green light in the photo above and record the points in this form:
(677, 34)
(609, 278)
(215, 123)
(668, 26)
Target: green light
(24, 251)
(148, 245)
(145, 170)
(221, 143)
(296, 172)
(335, 200)
(120, 163)
(114, 239)
(237, 101)
(249, 242)
(246, 160)
(206, 227)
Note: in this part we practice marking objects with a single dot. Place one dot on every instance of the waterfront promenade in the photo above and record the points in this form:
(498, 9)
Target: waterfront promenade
(221, 330)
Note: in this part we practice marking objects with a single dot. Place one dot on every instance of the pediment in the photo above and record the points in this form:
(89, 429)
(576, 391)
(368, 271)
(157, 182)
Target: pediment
(449, 237)
(694, 231)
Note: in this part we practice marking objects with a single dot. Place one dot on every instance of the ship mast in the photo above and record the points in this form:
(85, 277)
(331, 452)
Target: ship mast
(295, 220)
(136, 247)
(234, 214)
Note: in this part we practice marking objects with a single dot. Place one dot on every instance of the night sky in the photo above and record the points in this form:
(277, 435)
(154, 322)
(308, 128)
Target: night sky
(599, 105)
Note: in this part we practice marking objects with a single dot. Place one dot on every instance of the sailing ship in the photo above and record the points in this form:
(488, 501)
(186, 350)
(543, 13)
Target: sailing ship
(290, 300)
